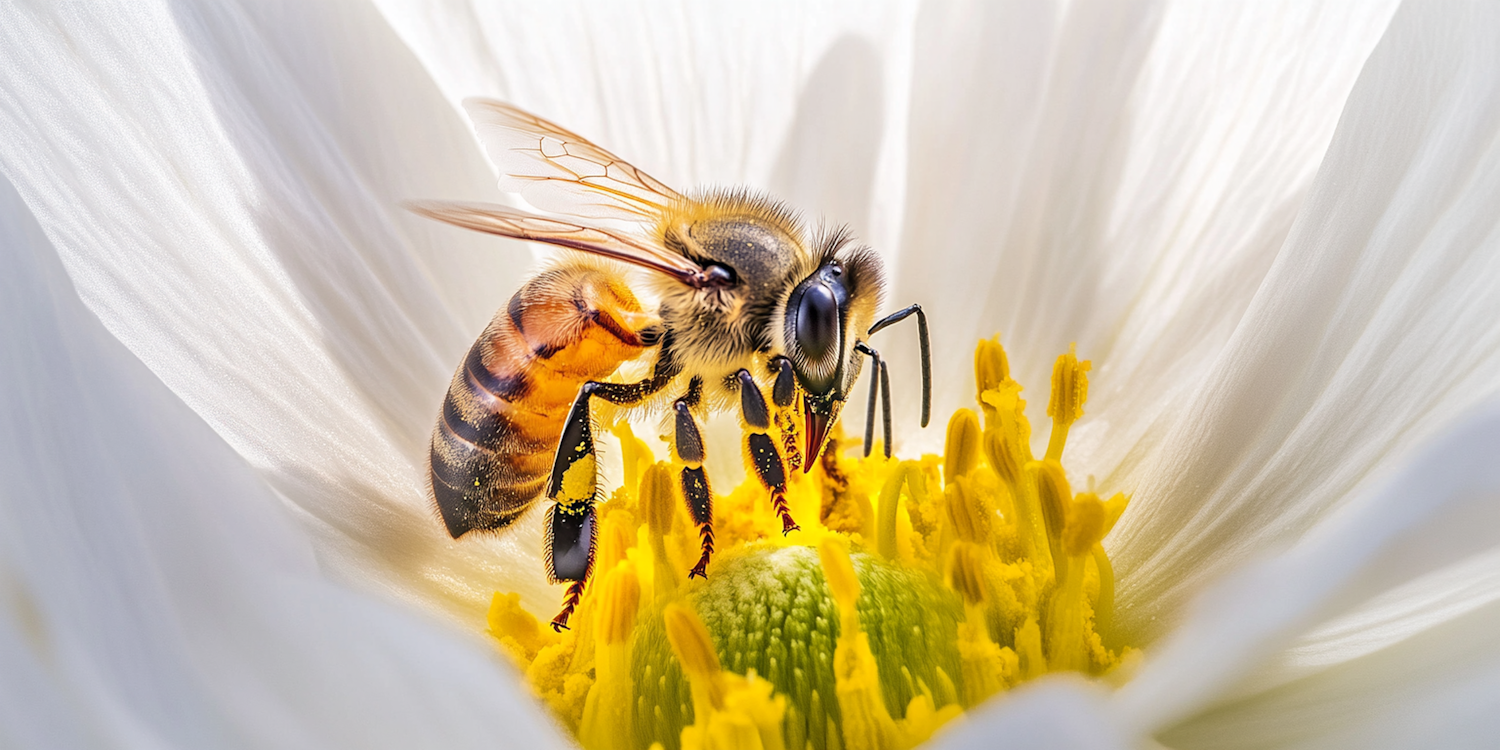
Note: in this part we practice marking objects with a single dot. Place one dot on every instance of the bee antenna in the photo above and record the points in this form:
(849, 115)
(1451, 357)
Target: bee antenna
(875, 384)
(926, 342)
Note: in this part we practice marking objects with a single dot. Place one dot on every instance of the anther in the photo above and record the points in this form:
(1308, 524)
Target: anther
(657, 503)
(991, 366)
(967, 573)
(695, 652)
(619, 599)
(962, 452)
(1070, 388)
(1007, 455)
(1054, 496)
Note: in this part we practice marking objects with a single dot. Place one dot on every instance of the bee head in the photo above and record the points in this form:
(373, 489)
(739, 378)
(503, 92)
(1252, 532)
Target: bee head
(825, 315)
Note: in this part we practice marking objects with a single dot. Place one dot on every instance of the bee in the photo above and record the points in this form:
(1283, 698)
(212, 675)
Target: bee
(742, 301)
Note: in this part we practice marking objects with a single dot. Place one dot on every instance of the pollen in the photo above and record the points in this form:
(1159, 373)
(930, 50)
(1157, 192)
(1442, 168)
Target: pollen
(914, 590)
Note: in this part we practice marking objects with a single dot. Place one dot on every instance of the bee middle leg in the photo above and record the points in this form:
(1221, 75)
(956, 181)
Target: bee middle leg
(761, 449)
(688, 442)
(569, 552)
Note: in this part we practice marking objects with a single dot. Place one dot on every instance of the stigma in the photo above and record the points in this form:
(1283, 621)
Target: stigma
(913, 591)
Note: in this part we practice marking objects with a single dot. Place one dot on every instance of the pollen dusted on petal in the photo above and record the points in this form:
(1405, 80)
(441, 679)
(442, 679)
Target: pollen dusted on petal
(914, 590)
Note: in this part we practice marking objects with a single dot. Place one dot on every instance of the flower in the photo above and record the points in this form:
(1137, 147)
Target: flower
(1281, 316)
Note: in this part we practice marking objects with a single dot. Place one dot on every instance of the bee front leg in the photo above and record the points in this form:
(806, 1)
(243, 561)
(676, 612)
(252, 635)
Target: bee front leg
(784, 397)
(688, 442)
(761, 451)
(569, 552)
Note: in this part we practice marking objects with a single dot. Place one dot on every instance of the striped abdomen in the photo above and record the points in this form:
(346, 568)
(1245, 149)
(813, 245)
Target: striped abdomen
(492, 450)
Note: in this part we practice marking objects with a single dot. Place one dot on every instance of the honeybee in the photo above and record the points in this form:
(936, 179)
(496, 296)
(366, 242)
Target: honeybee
(743, 301)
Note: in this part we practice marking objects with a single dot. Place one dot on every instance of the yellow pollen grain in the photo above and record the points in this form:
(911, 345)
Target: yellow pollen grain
(1070, 387)
(578, 480)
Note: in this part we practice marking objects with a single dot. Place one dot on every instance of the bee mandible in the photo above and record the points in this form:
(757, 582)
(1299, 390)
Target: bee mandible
(744, 302)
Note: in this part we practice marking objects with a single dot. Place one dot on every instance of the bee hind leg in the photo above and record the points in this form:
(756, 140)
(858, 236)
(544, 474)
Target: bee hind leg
(570, 552)
(760, 449)
(688, 442)
(570, 541)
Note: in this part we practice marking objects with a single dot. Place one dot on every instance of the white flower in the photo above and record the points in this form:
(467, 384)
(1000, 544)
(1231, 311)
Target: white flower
(1282, 314)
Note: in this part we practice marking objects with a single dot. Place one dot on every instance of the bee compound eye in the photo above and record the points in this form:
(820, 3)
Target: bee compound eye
(817, 323)
(718, 275)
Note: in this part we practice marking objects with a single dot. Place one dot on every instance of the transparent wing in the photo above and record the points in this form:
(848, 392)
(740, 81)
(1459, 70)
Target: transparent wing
(507, 222)
(560, 171)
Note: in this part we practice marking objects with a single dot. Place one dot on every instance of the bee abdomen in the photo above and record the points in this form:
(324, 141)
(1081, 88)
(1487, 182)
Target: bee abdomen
(486, 467)
(492, 448)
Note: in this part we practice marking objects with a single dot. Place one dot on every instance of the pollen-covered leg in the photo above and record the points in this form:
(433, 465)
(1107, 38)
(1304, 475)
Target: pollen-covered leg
(688, 442)
(569, 552)
(786, 416)
(760, 450)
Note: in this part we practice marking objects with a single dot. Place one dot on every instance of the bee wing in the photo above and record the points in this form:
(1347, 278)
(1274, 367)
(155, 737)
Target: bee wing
(560, 171)
(506, 222)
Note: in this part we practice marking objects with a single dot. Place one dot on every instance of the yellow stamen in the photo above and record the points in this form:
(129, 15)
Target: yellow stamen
(915, 589)
(606, 712)
(963, 445)
(1104, 604)
(1070, 388)
(966, 574)
(843, 584)
(730, 712)
(695, 651)
(971, 516)
(991, 366)
(1053, 497)
(659, 506)
(866, 722)
(1085, 525)
(902, 475)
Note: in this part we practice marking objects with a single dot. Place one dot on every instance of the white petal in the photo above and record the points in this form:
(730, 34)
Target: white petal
(223, 184)
(1432, 522)
(785, 96)
(1058, 713)
(1115, 174)
(154, 591)
(1373, 329)
(1436, 687)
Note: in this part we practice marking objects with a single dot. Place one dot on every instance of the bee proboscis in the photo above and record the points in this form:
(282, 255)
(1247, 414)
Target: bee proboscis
(744, 302)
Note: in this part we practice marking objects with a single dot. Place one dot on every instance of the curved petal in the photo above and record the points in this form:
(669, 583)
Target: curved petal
(1059, 713)
(223, 184)
(1436, 521)
(697, 94)
(1115, 174)
(1372, 330)
(154, 591)
(1424, 675)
